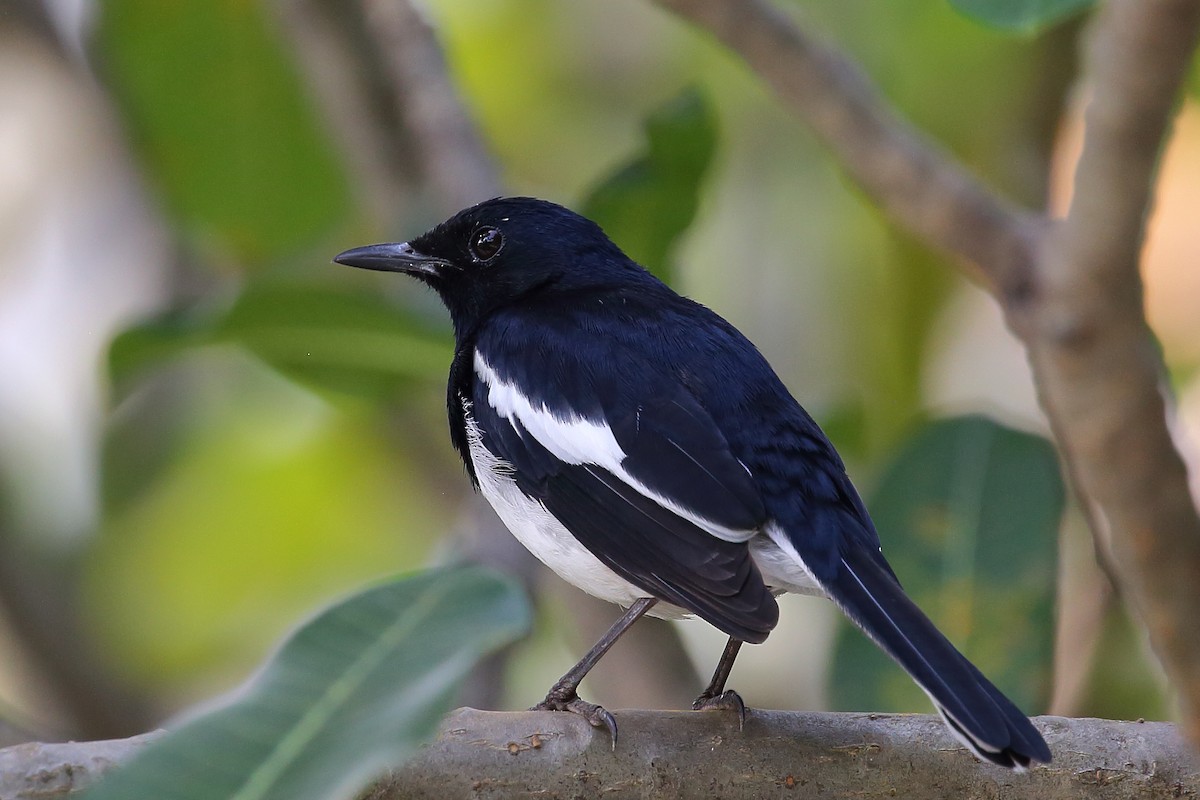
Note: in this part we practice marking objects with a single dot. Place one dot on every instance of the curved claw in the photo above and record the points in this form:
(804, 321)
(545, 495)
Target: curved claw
(725, 701)
(597, 716)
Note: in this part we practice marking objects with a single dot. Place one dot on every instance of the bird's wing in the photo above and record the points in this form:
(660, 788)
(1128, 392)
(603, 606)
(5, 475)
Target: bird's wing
(644, 481)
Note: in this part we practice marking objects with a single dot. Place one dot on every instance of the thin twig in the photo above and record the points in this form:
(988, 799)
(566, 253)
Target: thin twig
(916, 182)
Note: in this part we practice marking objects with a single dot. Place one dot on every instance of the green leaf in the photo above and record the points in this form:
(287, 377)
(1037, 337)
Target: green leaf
(646, 205)
(1025, 17)
(968, 513)
(148, 344)
(352, 692)
(323, 335)
(337, 338)
(222, 120)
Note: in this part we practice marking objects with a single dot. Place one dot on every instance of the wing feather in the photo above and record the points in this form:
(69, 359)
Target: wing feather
(647, 485)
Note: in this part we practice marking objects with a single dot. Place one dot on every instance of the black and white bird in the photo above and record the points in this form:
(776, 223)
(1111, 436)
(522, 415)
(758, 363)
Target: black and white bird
(641, 447)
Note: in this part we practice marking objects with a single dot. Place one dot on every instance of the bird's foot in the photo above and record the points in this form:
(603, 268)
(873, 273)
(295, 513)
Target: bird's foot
(725, 701)
(597, 716)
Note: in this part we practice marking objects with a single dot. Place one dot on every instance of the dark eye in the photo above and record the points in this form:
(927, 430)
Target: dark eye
(486, 243)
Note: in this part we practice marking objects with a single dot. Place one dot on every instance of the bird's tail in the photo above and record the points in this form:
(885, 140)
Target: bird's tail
(979, 715)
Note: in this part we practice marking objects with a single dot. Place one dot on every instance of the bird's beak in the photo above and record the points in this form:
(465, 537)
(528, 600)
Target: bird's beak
(394, 257)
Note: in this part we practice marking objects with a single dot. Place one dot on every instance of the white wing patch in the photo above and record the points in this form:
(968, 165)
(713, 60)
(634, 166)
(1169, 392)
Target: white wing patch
(544, 536)
(577, 440)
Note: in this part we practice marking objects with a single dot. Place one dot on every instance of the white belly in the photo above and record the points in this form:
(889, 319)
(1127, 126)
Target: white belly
(552, 544)
(545, 537)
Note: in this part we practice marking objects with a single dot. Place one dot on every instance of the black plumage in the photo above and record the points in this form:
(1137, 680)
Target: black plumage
(641, 446)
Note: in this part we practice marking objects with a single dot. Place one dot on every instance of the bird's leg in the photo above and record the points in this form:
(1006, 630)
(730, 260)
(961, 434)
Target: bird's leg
(562, 696)
(716, 696)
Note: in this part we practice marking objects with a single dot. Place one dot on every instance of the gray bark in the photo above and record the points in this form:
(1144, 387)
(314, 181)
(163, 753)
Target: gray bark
(684, 754)
(687, 754)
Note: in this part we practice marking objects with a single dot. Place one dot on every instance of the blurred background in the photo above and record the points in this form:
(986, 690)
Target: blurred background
(208, 431)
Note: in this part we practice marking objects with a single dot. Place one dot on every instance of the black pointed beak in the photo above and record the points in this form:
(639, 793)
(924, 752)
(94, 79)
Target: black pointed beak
(393, 257)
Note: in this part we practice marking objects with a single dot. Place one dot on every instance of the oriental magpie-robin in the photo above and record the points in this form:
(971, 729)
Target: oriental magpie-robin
(642, 448)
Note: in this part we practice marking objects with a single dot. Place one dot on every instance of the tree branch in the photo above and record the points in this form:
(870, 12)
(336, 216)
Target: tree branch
(682, 754)
(917, 183)
(345, 77)
(37, 771)
(456, 162)
(1099, 373)
(1072, 292)
(685, 754)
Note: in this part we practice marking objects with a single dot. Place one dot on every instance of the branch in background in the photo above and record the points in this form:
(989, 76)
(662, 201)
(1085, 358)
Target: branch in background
(39, 600)
(1072, 293)
(39, 589)
(1099, 372)
(447, 145)
(687, 754)
(919, 185)
(345, 76)
(1086, 596)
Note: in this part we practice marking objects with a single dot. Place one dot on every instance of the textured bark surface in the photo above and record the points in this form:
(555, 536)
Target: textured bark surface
(37, 771)
(687, 754)
(682, 754)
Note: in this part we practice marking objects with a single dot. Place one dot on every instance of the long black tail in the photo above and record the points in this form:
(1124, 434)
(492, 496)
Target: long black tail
(979, 715)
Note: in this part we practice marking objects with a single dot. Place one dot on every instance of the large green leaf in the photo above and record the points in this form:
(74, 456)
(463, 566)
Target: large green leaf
(968, 513)
(321, 334)
(337, 338)
(353, 692)
(1020, 16)
(223, 122)
(648, 203)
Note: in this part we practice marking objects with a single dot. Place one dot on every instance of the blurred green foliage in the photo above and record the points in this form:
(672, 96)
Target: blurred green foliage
(350, 694)
(1021, 16)
(277, 433)
(277, 503)
(648, 204)
(968, 512)
(320, 333)
(1119, 683)
(223, 123)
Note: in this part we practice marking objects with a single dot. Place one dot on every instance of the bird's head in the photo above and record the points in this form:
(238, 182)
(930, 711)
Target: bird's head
(500, 251)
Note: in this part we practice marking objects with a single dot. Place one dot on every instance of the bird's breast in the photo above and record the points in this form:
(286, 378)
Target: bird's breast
(544, 536)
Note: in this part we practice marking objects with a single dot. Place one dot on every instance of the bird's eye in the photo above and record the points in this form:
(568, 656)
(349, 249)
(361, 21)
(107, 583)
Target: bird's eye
(486, 243)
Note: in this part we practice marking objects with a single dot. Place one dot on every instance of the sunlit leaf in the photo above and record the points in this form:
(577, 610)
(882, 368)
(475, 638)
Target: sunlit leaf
(267, 503)
(1020, 16)
(215, 106)
(351, 693)
(968, 513)
(646, 205)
